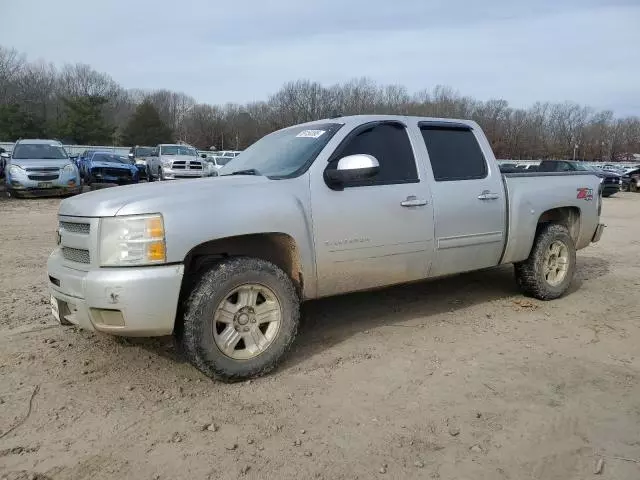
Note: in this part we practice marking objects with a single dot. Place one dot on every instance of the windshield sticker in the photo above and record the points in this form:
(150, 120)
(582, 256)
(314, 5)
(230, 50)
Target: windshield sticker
(310, 133)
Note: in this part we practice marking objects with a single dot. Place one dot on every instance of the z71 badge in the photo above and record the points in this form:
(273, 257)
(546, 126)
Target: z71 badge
(585, 193)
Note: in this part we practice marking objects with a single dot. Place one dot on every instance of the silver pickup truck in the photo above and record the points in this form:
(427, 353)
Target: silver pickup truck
(176, 161)
(313, 210)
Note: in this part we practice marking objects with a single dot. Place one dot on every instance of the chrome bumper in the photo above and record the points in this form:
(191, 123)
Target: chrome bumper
(119, 301)
(171, 174)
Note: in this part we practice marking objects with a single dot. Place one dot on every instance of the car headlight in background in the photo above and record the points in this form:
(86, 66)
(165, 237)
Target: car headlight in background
(132, 240)
(15, 170)
(69, 169)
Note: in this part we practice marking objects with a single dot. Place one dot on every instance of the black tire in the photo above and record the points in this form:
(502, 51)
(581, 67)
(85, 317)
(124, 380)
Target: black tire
(529, 274)
(607, 195)
(196, 337)
(633, 185)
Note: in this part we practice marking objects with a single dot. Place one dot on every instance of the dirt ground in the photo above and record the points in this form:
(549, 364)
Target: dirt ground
(461, 378)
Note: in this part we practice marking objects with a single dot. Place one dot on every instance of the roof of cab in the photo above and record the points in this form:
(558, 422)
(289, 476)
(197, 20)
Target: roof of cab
(39, 141)
(360, 119)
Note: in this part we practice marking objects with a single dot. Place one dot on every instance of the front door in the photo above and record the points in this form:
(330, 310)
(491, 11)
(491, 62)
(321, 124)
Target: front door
(469, 200)
(375, 232)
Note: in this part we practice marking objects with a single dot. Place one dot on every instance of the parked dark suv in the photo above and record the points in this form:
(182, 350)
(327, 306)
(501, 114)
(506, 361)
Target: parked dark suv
(611, 182)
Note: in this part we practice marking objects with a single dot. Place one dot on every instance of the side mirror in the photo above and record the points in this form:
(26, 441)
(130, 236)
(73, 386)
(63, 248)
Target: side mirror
(130, 155)
(351, 168)
(5, 155)
(73, 157)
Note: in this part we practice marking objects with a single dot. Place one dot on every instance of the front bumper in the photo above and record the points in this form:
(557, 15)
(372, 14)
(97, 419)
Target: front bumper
(176, 174)
(123, 178)
(27, 187)
(129, 301)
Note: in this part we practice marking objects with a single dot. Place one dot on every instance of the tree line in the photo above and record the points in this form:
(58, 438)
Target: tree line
(80, 105)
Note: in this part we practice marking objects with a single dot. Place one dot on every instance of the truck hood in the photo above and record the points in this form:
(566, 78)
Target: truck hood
(161, 196)
(29, 163)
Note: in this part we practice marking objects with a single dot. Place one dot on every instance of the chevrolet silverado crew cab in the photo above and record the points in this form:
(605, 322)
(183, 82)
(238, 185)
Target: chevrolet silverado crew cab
(313, 210)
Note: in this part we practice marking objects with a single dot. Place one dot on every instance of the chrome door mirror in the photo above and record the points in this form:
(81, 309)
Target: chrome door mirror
(350, 169)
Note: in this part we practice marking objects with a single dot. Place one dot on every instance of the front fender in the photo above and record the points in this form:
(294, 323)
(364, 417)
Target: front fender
(264, 209)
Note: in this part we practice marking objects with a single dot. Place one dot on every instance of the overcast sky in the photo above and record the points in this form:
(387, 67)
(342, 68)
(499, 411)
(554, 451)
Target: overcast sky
(243, 50)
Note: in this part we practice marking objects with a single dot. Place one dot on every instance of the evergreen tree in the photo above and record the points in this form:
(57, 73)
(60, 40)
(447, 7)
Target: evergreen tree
(16, 123)
(146, 127)
(84, 122)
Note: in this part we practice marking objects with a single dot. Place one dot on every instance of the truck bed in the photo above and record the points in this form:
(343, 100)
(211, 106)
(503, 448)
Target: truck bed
(531, 194)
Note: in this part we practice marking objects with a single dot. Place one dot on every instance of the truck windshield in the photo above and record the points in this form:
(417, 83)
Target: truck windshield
(143, 151)
(177, 150)
(284, 153)
(39, 151)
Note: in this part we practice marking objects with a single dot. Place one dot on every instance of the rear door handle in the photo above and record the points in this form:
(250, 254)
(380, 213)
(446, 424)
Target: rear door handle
(487, 195)
(412, 201)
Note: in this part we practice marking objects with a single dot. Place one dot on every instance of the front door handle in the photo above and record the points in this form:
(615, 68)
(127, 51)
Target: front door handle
(487, 195)
(412, 201)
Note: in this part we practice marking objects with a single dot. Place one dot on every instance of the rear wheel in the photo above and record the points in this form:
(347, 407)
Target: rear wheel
(240, 319)
(550, 268)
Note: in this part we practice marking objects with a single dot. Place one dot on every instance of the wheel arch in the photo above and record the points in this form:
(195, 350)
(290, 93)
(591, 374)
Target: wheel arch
(568, 216)
(278, 248)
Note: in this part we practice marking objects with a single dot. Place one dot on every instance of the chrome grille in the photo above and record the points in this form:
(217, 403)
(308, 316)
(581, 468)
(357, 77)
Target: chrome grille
(44, 177)
(76, 255)
(83, 228)
(184, 165)
(42, 169)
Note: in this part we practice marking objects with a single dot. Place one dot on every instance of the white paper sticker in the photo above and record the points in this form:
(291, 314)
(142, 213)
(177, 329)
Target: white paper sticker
(310, 133)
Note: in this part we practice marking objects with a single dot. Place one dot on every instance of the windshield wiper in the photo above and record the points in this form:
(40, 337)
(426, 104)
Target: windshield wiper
(249, 171)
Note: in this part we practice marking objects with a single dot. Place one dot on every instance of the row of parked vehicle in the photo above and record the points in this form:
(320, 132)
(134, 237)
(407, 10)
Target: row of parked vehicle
(43, 167)
(614, 179)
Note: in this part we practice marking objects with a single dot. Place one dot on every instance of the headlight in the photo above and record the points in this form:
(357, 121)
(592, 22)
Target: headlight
(132, 240)
(166, 163)
(141, 162)
(15, 170)
(69, 169)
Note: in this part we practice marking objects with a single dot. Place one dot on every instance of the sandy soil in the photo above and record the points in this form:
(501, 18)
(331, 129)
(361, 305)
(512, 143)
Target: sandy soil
(461, 378)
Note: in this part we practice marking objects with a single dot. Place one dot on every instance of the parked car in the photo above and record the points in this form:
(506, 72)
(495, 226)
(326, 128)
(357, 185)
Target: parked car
(2, 161)
(140, 155)
(611, 182)
(176, 161)
(82, 162)
(314, 210)
(40, 167)
(108, 167)
(631, 180)
(217, 162)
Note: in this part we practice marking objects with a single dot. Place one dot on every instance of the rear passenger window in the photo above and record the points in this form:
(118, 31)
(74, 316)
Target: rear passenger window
(390, 144)
(454, 154)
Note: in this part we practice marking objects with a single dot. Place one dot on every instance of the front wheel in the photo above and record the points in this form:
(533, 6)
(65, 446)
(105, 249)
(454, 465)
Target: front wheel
(549, 270)
(240, 319)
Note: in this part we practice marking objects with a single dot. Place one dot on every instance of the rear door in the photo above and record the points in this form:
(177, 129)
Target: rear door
(468, 199)
(375, 232)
